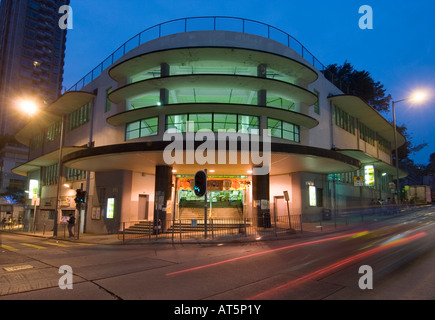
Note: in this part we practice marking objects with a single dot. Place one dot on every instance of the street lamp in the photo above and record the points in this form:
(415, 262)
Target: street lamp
(416, 97)
(31, 108)
(28, 107)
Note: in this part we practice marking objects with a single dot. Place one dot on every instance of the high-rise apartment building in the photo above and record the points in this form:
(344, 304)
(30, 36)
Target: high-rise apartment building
(32, 51)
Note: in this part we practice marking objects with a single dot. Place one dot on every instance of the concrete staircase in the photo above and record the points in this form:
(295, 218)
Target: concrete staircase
(223, 218)
(141, 228)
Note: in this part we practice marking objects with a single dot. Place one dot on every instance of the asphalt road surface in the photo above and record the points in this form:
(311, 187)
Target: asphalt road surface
(390, 259)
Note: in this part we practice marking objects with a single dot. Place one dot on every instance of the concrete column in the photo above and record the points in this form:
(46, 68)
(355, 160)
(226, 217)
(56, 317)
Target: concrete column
(262, 71)
(165, 71)
(164, 97)
(163, 188)
(262, 94)
(260, 197)
(262, 98)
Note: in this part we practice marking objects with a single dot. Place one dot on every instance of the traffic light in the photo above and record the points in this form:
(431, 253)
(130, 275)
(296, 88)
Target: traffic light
(80, 198)
(200, 187)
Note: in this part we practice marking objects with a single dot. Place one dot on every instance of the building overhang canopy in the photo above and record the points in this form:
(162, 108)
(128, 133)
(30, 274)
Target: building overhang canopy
(46, 160)
(66, 104)
(145, 156)
(360, 109)
(218, 57)
(283, 89)
(144, 113)
(380, 165)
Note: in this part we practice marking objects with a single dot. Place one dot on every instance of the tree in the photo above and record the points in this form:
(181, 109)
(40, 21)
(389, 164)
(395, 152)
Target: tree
(408, 148)
(14, 195)
(430, 169)
(359, 83)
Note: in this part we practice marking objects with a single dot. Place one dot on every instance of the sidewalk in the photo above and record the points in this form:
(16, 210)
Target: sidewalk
(109, 239)
(309, 229)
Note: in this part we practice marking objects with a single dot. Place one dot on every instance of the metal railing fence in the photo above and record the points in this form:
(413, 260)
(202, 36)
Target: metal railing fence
(273, 226)
(205, 23)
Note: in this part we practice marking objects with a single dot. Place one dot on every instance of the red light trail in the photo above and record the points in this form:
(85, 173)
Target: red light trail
(323, 271)
(265, 252)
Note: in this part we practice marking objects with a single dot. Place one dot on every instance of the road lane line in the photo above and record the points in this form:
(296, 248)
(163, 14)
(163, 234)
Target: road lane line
(33, 246)
(18, 268)
(8, 248)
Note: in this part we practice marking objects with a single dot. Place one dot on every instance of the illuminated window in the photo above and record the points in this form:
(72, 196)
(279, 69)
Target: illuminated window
(36, 141)
(53, 132)
(202, 121)
(344, 120)
(225, 122)
(383, 144)
(317, 104)
(142, 128)
(367, 134)
(79, 117)
(280, 103)
(278, 75)
(283, 130)
(213, 122)
(151, 73)
(50, 175)
(149, 99)
(75, 174)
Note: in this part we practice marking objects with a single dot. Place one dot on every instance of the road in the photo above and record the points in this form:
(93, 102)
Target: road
(399, 252)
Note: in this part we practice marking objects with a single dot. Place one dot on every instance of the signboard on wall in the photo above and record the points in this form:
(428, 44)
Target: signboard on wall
(313, 196)
(369, 175)
(33, 188)
(110, 213)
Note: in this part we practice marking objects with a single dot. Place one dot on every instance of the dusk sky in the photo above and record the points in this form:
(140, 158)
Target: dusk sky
(399, 51)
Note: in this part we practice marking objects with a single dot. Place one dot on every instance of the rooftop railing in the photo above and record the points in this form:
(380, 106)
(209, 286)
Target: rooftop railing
(207, 23)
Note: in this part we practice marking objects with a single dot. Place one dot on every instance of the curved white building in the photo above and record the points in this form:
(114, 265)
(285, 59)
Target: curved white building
(187, 79)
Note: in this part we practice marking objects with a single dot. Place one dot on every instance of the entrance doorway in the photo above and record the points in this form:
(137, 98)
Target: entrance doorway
(143, 207)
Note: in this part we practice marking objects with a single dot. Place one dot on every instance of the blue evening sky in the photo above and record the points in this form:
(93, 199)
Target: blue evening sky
(399, 51)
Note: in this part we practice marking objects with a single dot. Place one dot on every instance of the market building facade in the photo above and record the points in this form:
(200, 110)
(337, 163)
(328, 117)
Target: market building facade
(212, 88)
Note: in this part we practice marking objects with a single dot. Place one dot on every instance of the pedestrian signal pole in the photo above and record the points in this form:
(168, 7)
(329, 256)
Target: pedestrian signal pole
(200, 190)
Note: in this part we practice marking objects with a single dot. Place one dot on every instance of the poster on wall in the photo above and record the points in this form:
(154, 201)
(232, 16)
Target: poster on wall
(33, 188)
(110, 213)
(313, 196)
(96, 213)
(369, 175)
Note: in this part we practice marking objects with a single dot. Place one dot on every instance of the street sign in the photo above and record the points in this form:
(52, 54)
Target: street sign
(358, 181)
(287, 198)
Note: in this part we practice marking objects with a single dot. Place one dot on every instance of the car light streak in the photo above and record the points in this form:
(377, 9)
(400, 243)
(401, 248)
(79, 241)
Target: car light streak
(323, 271)
(267, 252)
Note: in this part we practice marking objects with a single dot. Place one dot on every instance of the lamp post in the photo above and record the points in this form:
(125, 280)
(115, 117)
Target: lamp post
(59, 178)
(418, 97)
(31, 108)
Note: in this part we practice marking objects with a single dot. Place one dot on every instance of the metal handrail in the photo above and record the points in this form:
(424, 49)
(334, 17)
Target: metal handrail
(162, 30)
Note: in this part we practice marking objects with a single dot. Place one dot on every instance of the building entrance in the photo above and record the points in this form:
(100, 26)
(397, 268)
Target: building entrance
(227, 198)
